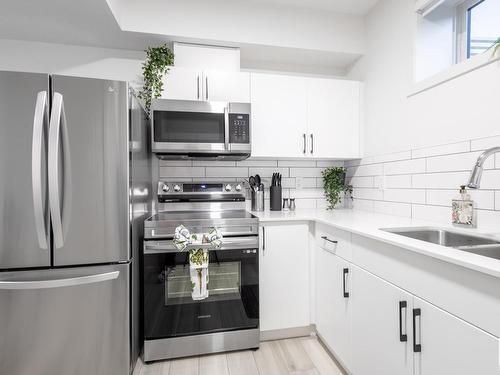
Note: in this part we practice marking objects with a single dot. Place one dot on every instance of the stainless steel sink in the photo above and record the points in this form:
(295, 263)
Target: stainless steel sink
(477, 244)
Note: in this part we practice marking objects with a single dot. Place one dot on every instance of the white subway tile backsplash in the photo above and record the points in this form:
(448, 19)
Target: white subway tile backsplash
(391, 157)
(296, 163)
(213, 163)
(175, 163)
(362, 204)
(392, 208)
(451, 180)
(483, 199)
(226, 172)
(267, 172)
(257, 163)
(452, 148)
(432, 213)
(308, 193)
(405, 167)
(485, 143)
(362, 182)
(398, 182)
(405, 195)
(172, 172)
(456, 162)
(306, 172)
(418, 183)
(363, 193)
(365, 170)
(491, 179)
(305, 203)
(329, 163)
(488, 220)
(306, 182)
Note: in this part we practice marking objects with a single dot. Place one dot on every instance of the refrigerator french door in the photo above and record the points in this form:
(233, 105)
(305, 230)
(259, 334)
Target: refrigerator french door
(64, 226)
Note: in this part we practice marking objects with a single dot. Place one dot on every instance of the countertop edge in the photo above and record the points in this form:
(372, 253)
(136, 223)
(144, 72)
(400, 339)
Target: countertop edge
(431, 250)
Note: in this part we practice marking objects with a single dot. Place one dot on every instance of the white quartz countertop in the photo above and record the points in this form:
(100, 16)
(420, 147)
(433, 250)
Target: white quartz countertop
(368, 224)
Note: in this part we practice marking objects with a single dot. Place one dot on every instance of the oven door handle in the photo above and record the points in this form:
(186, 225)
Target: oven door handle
(236, 243)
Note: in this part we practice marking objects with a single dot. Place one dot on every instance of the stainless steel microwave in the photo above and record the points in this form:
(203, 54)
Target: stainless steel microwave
(185, 129)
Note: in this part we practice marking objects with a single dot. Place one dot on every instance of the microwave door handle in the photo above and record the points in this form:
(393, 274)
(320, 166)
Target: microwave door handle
(58, 131)
(39, 120)
(226, 128)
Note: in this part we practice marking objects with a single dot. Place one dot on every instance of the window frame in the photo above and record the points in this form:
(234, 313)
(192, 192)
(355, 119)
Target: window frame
(462, 29)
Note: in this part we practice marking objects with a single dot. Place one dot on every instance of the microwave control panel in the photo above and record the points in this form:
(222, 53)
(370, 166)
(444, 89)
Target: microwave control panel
(239, 128)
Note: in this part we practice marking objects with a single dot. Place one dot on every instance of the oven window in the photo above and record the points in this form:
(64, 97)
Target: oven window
(233, 294)
(188, 127)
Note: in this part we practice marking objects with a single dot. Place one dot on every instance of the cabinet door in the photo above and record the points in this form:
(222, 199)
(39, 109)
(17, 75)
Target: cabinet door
(381, 325)
(284, 277)
(333, 118)
(333, 304)
(226, 86)
(278, 115)
(449, 345)
(183, 84)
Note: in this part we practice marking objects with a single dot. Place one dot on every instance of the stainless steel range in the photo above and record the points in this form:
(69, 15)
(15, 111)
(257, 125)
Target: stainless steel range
(175, 325)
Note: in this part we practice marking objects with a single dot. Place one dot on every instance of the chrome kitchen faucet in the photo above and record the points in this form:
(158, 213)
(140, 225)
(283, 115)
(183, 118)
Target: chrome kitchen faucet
(477, 172)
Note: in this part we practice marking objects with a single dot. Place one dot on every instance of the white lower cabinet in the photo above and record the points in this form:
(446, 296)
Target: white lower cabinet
(284, 277)
(333, 304)
(374, 327)
(449, 345)
(381, 326)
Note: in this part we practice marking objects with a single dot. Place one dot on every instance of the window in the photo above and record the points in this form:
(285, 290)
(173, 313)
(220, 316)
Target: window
(478, 27)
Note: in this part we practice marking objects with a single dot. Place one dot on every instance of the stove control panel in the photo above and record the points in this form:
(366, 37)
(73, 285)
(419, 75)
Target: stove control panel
(168, 191)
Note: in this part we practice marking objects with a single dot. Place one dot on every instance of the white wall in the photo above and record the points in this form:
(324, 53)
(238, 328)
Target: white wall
(460, 109)
(71, 60)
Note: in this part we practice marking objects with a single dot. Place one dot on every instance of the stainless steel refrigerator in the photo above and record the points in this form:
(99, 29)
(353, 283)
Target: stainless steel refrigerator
(75, 184)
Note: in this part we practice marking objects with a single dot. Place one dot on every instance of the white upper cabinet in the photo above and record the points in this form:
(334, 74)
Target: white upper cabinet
(279, 115)
(192, 84)
(182, 84)
(305, 117)
(333, 118)
(226, 86)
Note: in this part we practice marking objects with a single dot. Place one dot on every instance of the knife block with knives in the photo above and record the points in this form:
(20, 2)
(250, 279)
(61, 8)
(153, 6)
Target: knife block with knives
(275, 192)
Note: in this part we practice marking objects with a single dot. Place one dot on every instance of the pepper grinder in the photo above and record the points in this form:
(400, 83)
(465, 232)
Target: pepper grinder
(292, 204)
(286, 205)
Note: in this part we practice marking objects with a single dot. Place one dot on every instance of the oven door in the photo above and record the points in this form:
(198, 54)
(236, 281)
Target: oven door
(181, 126)
(233, 290)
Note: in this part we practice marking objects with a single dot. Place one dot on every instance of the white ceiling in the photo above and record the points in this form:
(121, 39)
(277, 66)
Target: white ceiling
(360, 7)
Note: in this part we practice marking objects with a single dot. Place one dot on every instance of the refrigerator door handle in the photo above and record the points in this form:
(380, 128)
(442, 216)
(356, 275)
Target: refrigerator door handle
(39, 120)
(59, 211)
(58, 283)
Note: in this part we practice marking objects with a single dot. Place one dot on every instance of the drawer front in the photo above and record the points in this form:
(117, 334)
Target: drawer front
(334, 240)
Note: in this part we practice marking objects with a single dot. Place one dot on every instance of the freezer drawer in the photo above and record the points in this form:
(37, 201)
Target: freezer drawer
(65, 321)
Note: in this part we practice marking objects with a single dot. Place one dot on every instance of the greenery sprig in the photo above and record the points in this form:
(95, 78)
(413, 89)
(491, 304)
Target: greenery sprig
(158, 61)
(334, 185)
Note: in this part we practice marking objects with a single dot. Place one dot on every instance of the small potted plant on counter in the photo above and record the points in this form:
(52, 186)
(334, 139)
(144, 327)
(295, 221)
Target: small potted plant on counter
(335, 186)
(156, 66)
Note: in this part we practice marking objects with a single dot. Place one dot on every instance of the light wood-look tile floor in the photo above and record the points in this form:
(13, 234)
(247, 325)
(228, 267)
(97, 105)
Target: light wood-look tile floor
(298, 356)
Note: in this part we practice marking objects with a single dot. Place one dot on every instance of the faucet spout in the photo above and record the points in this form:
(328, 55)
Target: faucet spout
(477, 172)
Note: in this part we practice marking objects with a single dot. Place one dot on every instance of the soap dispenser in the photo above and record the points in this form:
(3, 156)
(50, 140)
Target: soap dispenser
(462, 209)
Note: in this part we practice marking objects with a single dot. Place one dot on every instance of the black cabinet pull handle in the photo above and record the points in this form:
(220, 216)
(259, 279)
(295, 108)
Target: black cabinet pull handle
(346, 271)
(403, 337)
(417, 348)
(329, 240)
